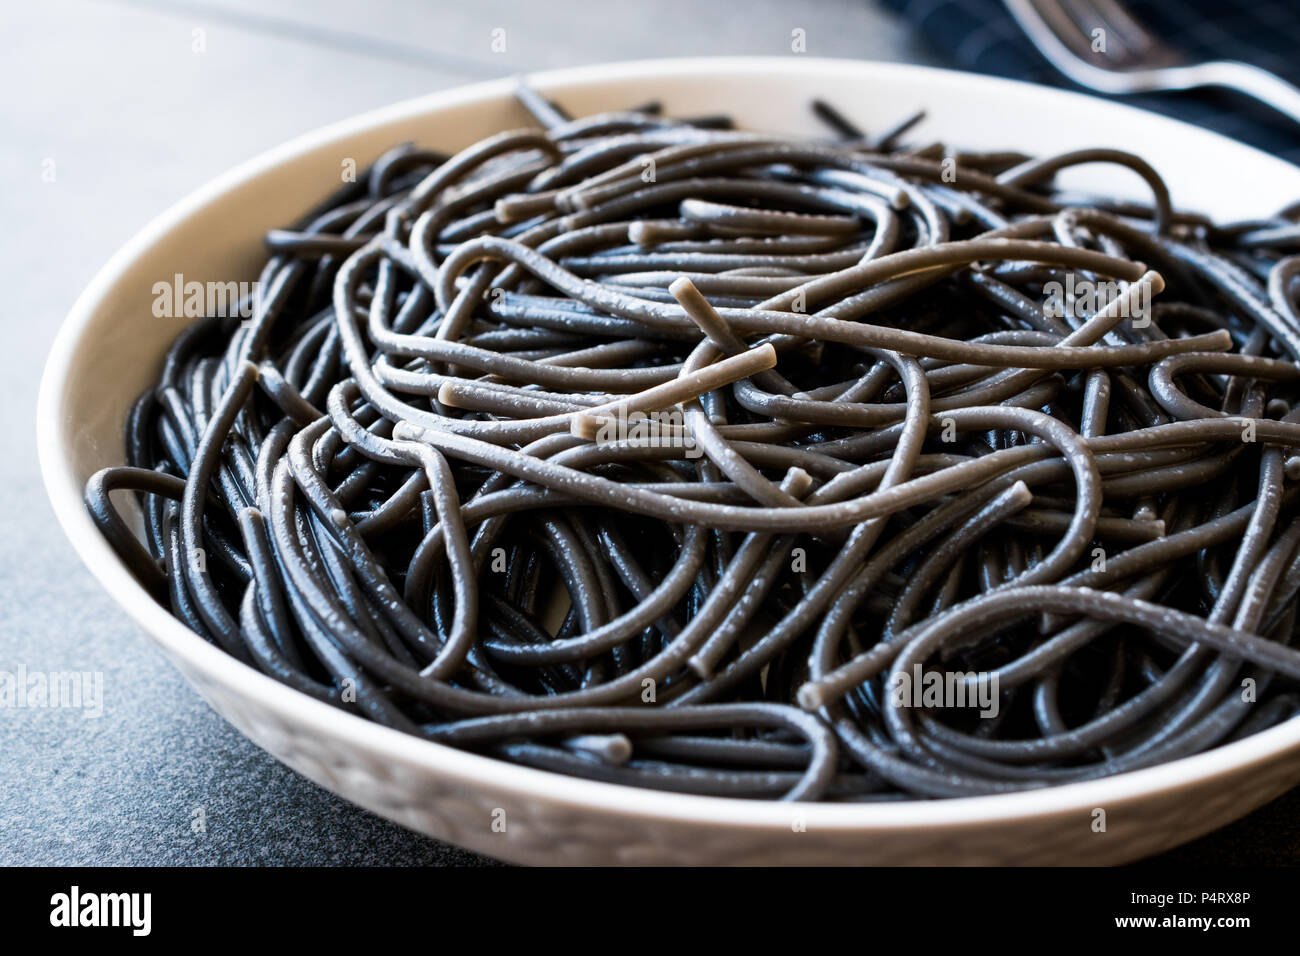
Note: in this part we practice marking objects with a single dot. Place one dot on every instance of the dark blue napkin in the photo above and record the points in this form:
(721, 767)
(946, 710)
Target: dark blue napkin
(980, 35)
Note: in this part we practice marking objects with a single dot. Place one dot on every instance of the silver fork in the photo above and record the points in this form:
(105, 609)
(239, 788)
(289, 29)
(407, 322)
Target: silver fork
(1134, 60)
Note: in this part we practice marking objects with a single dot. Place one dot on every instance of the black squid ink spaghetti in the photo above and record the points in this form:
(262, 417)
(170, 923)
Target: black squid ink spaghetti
(665, 454)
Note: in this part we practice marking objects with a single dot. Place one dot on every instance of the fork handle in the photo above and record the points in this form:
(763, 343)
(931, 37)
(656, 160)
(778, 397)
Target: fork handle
(1260, 84)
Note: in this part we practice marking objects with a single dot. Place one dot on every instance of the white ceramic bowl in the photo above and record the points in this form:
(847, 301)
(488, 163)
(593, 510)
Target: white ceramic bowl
(110, 346)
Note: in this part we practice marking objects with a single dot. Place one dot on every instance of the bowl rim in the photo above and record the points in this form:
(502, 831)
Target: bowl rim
(594, 797)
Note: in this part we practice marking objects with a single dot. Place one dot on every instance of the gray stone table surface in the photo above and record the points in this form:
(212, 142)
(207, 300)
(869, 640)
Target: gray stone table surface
(108, 115)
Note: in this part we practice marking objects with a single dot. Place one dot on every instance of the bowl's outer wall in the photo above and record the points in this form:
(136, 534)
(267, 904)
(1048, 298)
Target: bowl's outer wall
(111, 347)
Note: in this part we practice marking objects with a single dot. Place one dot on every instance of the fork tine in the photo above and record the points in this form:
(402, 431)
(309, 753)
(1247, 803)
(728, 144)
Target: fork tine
(1063, 26)
(1087, 17)
(1134, 34)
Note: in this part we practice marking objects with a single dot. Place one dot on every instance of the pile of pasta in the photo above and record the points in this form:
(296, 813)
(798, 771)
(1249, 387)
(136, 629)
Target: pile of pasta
(667, 454)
